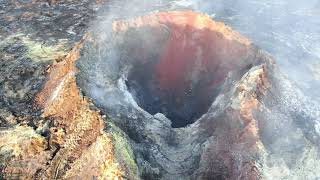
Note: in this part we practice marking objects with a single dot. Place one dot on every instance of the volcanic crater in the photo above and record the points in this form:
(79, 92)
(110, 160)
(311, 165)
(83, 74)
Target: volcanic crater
(176, 62)
(156, 75)
(148, 93)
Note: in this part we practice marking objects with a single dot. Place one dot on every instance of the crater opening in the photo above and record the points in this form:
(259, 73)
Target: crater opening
(177, 63)
(182, 106)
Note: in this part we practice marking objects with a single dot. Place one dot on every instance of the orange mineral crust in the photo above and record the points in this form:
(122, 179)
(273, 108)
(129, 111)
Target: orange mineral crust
(78, 130)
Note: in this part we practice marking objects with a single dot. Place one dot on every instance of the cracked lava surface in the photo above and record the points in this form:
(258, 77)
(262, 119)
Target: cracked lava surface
(166, 95)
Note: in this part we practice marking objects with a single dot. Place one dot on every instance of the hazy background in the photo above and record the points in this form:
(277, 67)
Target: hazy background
(288, 29)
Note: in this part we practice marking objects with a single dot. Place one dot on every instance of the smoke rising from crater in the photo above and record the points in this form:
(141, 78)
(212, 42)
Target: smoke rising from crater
(288, 30)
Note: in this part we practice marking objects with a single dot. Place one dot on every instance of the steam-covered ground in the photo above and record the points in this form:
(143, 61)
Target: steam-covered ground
(263, 121)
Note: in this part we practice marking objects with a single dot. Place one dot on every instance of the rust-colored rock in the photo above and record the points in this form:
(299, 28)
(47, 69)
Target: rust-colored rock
(27, 151)
(82, 127)
(170, 95)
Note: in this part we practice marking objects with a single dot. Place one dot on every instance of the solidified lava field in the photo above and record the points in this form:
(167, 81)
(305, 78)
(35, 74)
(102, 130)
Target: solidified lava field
(145, 90)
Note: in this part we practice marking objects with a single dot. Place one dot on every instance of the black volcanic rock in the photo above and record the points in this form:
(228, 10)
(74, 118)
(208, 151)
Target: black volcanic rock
(144, 95)
(33, 35)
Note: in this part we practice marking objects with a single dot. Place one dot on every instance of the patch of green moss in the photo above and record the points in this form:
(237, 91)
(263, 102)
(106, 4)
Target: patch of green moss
(38, 51)
(123, 151)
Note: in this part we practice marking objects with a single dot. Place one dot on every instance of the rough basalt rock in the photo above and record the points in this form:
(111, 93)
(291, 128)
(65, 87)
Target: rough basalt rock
(181, 64)
(34, 35)
(168, 95)
(46, 124)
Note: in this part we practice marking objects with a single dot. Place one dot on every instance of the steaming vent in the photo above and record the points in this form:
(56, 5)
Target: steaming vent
(172, 63)
(177, 65)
